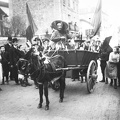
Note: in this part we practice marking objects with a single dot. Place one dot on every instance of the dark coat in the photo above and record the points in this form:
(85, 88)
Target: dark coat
(5, 62)
(7, 47)
(104, 53)
(14, 55)
(105, 49)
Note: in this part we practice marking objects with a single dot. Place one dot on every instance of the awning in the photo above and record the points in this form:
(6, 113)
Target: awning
(2, 12)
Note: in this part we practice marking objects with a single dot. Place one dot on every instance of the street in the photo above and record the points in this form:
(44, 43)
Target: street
(20, 103)
(82, 32)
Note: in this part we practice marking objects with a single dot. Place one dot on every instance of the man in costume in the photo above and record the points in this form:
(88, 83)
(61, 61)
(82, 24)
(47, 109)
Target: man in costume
(105, 50)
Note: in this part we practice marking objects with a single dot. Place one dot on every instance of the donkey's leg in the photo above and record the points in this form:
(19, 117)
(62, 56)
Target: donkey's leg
(62, 88)
(46, 95)
(7, 79)
(41, 95)
(36, 84)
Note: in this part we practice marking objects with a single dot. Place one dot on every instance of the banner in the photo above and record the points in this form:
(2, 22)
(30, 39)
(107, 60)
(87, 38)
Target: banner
(96, 21)
(32, 28)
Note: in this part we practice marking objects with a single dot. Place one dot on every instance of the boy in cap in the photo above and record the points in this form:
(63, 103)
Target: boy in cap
(5, 64)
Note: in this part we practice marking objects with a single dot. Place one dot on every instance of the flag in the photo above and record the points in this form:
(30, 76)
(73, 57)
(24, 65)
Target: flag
(96, 21)
(32, 28)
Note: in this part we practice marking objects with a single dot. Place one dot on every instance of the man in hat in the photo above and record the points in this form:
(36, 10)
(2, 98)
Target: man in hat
(7, 49)
(14, 57)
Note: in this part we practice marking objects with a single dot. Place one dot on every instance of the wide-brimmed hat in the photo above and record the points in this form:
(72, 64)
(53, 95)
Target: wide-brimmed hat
(54, 24)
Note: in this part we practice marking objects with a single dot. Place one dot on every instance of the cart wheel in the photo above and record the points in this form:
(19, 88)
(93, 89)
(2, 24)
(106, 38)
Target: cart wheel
(91, 76)
(55, 86)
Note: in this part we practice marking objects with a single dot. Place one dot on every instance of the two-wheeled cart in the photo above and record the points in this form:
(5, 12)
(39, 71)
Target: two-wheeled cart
(84, 61)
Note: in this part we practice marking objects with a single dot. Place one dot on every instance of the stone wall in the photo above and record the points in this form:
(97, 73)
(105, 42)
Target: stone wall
(41, 10)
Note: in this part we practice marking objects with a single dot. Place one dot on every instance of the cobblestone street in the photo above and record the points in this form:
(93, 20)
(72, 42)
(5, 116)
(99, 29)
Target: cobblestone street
(20, 103)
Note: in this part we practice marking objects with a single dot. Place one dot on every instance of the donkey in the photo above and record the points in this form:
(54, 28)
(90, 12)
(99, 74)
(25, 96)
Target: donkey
(46, 72)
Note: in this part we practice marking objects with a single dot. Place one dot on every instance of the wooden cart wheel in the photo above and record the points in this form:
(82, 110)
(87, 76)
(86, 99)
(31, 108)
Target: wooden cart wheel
(91, 76)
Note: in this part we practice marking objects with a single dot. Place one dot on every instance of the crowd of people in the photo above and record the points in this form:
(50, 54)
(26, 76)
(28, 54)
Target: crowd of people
(60, 39)
(9, 55)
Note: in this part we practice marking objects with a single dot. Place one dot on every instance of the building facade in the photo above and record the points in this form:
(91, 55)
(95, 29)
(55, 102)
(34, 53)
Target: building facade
(44, 12)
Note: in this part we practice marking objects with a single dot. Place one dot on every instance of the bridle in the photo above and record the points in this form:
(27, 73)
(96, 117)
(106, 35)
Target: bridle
(40, 68)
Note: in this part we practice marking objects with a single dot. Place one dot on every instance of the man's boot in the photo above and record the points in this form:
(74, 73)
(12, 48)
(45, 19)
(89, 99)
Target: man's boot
(3, 82)
(0, 89)
(103, 80)
(7, 80)
(73, 80)
(115, 83)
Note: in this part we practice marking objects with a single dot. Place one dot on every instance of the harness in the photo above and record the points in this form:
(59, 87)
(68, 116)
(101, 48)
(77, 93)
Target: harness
(41, 69)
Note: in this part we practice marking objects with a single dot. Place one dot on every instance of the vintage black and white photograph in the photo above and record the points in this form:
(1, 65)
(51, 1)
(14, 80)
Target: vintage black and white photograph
(59, 60)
